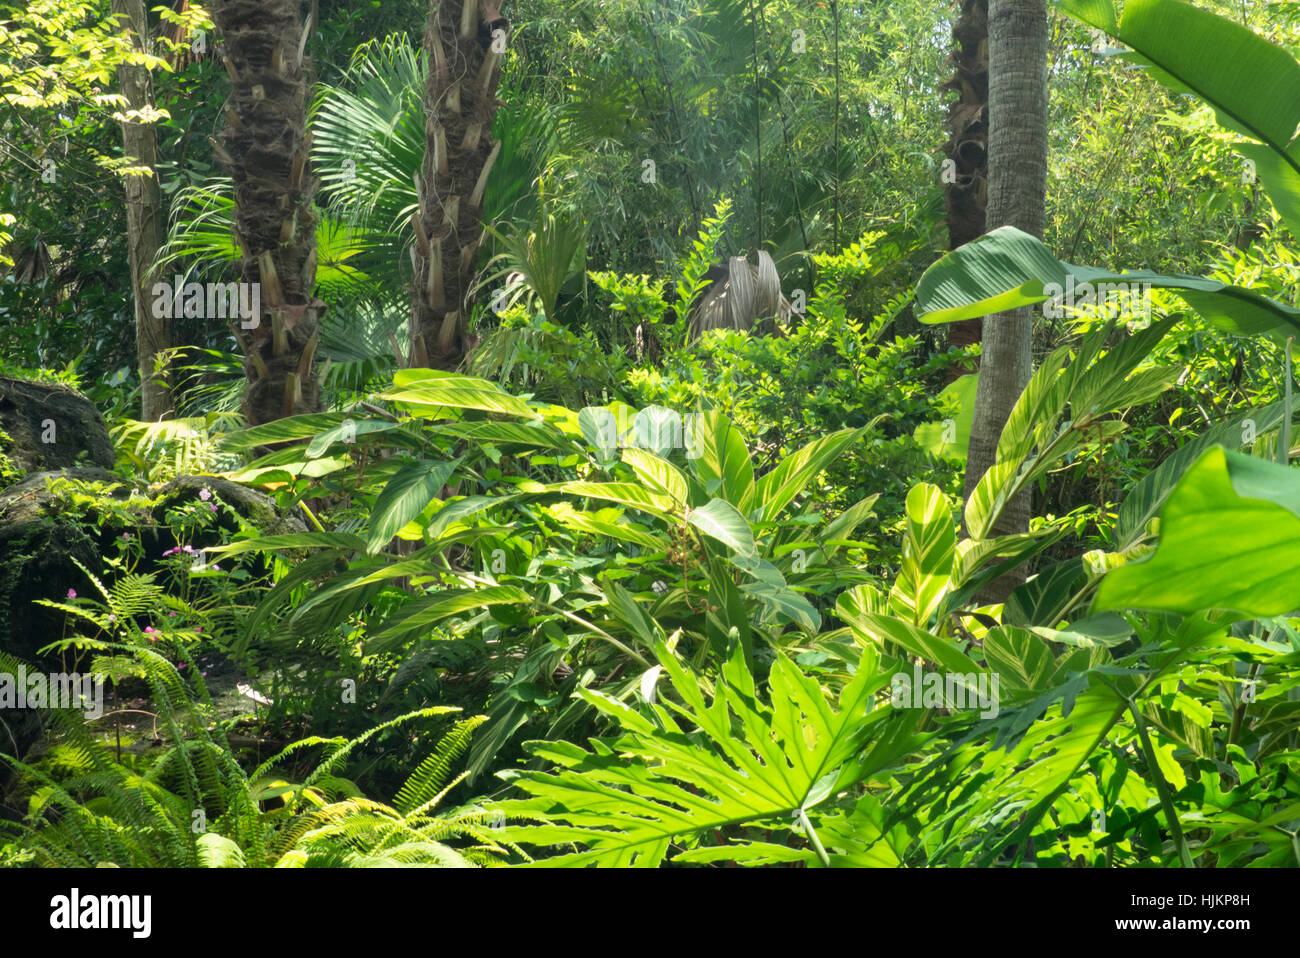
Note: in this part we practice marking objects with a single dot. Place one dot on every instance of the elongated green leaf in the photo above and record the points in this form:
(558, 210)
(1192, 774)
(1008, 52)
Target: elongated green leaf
(344, 430)
(625, 493)
(1007, 269)
(929, 544)
(282, 430)
(1149, 494)
(427, 388)
(404, 498)
(1253, 86)
(659, 474)
(949, 439)
(721, 520)
(722, 462)
(778, 488)
(292, 540)
(1229, 539)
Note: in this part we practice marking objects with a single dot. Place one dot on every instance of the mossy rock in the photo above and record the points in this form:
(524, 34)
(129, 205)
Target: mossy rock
(255, 507)
(32, 413)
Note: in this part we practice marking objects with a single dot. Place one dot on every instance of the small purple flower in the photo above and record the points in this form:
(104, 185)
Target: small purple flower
(112, 618)
(212, 507)
(72, 593)
(214, 567)
(171, 552)
(126, 535)
(204, 494)
(148, 630)
(187, 548)
(171, 613)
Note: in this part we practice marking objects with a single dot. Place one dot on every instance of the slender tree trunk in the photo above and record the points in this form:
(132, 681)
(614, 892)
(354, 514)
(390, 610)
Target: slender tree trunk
(966, 177)
(143, 219)
(1017, 187)
(465, 42)
(266, 147)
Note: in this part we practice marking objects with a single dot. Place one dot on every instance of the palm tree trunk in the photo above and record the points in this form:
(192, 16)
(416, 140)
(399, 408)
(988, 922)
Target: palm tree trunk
(265, 146)
(1017, 187)
(465, 43)
(143, 218)
(966, 185)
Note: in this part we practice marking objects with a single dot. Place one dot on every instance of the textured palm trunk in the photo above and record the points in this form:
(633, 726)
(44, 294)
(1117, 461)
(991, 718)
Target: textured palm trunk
(966, 190)
(265, 146)
(465, 42)
(143, 219)
(1017, 188)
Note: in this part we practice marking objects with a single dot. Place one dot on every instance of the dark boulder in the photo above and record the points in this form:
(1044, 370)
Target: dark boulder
(50, 426)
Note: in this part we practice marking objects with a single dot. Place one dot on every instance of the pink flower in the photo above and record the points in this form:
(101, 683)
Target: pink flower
(72, 593)
(112, 618)
(205, 495)
(148, 630)
(171, 613)
(212, 507)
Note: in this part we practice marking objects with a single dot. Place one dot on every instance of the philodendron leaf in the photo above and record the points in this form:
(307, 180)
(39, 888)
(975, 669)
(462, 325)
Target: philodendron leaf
(1007, 269)
(1229, 539)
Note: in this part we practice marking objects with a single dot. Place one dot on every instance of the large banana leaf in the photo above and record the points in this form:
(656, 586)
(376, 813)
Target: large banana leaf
(1229, 539)
(1008, 268)
(1253, 86)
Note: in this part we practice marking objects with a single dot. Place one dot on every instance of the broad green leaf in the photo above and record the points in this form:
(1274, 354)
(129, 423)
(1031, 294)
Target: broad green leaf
(1253, 85)
(404, 497)
(1020, 657)
(1146, 497)
(745, 763)
(721, 460)
(949, 439)
(283, 430)
(929, 544)
(778, 488)
(1229, 539)
(721, 520)
(343, 430)
(625, 493)
(427, 388)
(660, 474)
(1007, 269)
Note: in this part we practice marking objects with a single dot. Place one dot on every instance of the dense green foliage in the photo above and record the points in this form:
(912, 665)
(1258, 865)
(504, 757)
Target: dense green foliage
(617, 595)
